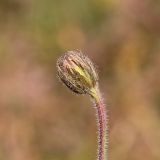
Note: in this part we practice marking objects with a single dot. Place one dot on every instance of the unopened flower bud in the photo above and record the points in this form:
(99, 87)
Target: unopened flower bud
(77, 72)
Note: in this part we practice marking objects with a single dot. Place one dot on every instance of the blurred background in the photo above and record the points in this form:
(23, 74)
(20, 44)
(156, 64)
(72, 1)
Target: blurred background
(42, 120)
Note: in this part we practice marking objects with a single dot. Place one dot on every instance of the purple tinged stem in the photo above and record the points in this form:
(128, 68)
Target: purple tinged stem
(101, 125)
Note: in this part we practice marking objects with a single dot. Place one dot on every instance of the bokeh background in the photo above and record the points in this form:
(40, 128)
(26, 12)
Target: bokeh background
(42, 120)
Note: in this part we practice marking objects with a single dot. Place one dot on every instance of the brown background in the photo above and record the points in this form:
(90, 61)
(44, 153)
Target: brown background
(39, 118)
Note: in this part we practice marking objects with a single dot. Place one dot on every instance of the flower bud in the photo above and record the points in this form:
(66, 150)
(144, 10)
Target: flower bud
(77, 72)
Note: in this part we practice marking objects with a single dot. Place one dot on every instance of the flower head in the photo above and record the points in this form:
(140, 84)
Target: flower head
(77, 72)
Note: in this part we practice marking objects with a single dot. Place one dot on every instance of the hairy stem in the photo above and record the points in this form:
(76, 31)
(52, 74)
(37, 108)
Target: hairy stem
(101, 125)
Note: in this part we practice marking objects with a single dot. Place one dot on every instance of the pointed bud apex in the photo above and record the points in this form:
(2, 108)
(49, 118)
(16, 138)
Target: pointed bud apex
(77, 72)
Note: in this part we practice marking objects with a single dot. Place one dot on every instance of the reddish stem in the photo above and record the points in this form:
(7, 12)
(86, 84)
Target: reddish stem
(101, 125)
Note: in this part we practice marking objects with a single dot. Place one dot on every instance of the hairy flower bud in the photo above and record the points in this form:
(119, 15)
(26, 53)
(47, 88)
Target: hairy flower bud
(77, 72)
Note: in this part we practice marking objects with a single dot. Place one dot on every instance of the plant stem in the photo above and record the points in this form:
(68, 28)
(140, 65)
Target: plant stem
(101, 124)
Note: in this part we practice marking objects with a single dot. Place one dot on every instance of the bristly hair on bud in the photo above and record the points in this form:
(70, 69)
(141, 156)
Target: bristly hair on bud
(77, 72)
